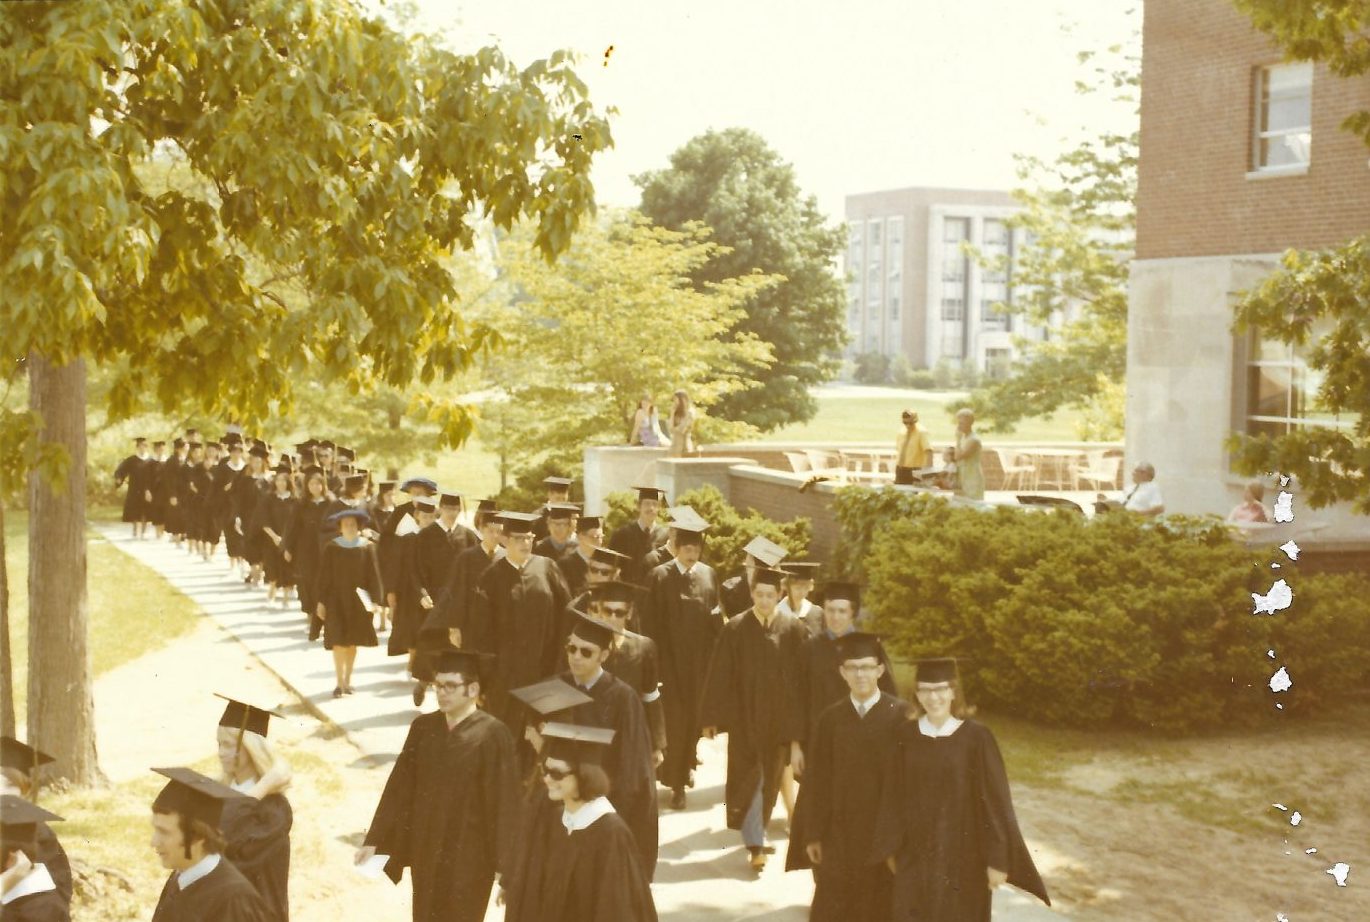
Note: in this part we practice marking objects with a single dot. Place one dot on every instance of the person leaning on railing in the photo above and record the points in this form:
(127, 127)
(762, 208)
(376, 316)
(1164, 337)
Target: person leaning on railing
(912, 449)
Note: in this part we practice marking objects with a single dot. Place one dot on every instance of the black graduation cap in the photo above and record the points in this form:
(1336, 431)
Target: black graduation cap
(562, 511)
(140, 440)
(489, 504)
(178, 443)
(326, 445)
(650, 493)
(609, 557)
(450, 499)
(593, 630)
(517, 523)
(194, 445)
(550, 696)
(302, 447)
(613, 591)
(216, 445)
(311, 469)
(242, 716)
(192, 434)
(193, 795)
(430, 485)
(588, 523)
(361, 515)
(159, 444)
(232, 440)
(347, 454)
(387, 486)
(426, 503)
(470, 663)
(858, 645)
(932, 671)
(765, 576)
(575, 744)
(839, 589)
(284, 467)
(21, 756)
(801, 569)
(259, 451)
(354, 482)
(485, 510)
(560, 483)
(766, 551)
(19, 821)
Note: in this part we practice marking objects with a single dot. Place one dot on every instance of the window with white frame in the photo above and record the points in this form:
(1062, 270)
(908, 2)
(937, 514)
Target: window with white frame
(1282, 391)
(894, 277)
(855, 270)
(997, 243)
(997, 363)
(1283, 117)
(875, 268)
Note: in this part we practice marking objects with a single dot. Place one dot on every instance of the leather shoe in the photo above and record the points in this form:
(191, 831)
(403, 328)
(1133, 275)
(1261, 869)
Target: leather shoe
(678, 799)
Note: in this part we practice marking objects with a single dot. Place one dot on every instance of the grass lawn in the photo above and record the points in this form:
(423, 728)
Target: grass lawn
(876, 418)
(131, 609)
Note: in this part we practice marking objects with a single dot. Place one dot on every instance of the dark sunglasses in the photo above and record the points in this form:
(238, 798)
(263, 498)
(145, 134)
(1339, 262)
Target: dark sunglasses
(555, 774)
(575, 649)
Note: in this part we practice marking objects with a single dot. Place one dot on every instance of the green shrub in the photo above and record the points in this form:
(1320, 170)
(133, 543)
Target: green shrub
(1323, 638)
(730, 529)
(872, 368)
(920, 379)
(527, 493)
(1071, 621)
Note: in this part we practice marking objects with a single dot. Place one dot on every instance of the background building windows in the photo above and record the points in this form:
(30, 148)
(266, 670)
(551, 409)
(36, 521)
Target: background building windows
(997, 362)
(1283, 117)
(994, 283)
(894, 278)
(955, 286)
(874, 271)
(856, 270)
(1282, 391)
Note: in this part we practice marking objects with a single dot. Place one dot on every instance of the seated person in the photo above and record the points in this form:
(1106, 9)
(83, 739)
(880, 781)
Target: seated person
(1250, 510)
(1144, 498)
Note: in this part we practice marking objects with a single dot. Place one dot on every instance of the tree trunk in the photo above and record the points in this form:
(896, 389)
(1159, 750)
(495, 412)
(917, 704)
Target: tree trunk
(7, 720)
(61, 705)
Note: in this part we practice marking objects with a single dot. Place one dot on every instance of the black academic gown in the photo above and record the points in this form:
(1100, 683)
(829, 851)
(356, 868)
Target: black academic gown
(946, 816)
(736, 595)
(257, 833)
(228, 481)
(46, 906)
(342, 571)
(838, 807)
(141, 475)
(633, 541)
(402, 578)
(519, 615)
(277, 513)
(753, 670)
(50, 854)
(576, 569)
(585, 876)
(449, 813)
(304, 541)
(636, 661)
(548, 548)
(628, 763)
(821, 684)
(222, 895)
(680, 613)
(455, 600)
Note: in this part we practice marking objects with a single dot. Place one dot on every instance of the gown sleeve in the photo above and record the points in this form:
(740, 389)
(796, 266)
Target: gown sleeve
(1005, 849)
(715, 707)
(890, 833)
(54, 857)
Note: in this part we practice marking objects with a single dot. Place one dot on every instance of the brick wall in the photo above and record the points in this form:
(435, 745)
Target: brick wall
(1194, 197)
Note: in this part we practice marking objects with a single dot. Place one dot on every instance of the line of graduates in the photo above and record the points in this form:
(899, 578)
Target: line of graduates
(226, 843)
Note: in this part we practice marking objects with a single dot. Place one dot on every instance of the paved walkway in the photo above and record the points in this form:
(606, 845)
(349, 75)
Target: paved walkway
(702, 873)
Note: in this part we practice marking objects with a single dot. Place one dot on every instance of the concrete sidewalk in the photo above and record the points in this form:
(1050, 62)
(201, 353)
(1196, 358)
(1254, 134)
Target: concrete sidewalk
(702, 873)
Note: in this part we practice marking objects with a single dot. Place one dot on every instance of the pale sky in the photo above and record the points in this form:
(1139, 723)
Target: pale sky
(858, 94)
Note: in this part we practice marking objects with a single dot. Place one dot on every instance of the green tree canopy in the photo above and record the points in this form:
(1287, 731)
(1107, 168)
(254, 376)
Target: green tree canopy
(1079, 216)
(617, 318)
(734, 183)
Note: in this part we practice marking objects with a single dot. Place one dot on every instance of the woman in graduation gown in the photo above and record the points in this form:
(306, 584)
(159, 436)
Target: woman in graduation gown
(348, 563)
(579, 863)
(192, 494)
(256, 828)
(272, 524)
(304, 542)
(30, 892)
(18, 765)
(946, 819)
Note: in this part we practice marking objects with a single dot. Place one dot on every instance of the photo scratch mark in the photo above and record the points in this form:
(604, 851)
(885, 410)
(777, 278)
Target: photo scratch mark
(1291, 550)
(1339, 872)
(1277, 599)
(1284, 507)
(1280, 682)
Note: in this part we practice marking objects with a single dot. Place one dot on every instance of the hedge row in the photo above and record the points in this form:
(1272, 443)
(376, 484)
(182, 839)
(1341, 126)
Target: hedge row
(1111, 621)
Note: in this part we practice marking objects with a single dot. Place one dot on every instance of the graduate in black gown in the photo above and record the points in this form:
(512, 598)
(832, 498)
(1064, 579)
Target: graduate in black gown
(30, 892)
(250, 489)
(275, 514)
(457, 597)
(641, 536)
(168, 491)
(231, 474)
(736, 592)
(449, 809)
(577, 863)
(348, 564)
(842, 770)
(560, 520)
(304, 542)
(256, 828)
(519, 615)
(634, 658)
(442, 542)
(681, 615)
(408, 598)
(747, 694)
(820, 681)
(575, 563)
(946, 818)
(204, 886)
(139, 470)
(558, 494)
(630, 762)
(19, 765)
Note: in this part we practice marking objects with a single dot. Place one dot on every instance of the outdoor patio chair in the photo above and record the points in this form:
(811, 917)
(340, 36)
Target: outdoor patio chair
(799, 461)
(1101, 471)
(1015, 464)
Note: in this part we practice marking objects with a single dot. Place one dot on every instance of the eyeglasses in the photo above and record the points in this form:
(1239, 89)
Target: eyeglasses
(575, 649)
(861, 668)
(555, 774)
(602, 571)
(449, 687)
(616, 611)
(938, 690)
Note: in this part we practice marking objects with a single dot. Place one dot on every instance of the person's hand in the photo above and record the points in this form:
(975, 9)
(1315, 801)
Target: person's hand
(797, 759)
(426, 602)
(364, 854)
(710, 732)
(287, 557)
(499, 896)
(391, 600)
(454, 636)
(657, 758)
(147, 496)
(533, 737)
(174, 502)
(276, 539)
(320, 613)
(889, 863)
(815, 851)
(997, 878)
(238, 526)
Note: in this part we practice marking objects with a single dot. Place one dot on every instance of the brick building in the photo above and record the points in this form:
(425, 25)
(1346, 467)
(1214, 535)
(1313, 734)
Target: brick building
(912, 290)
(1242, 158)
